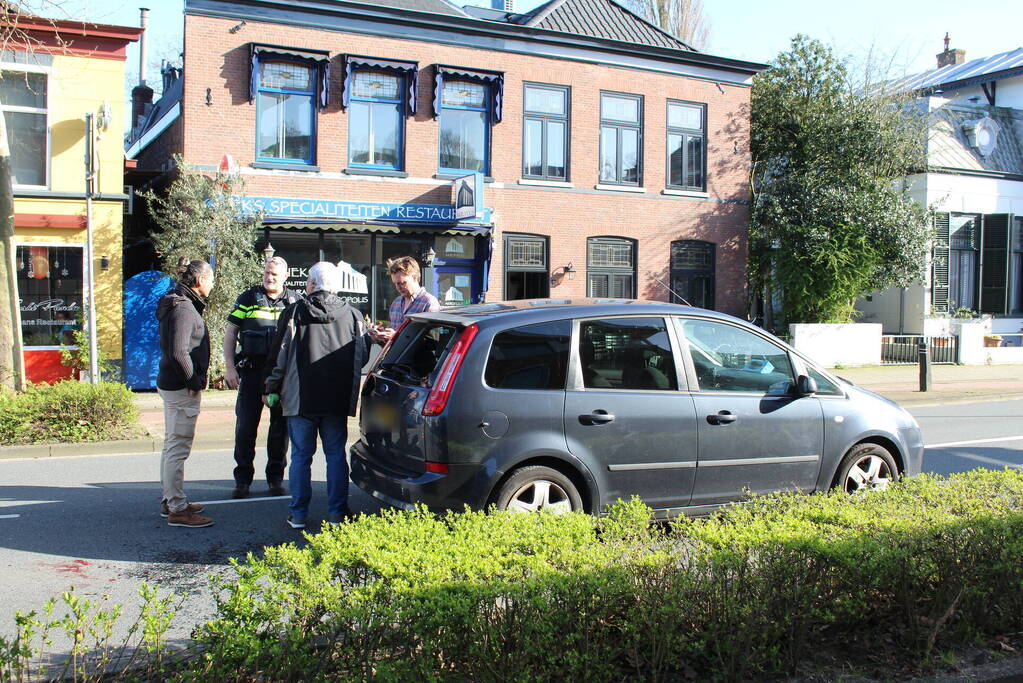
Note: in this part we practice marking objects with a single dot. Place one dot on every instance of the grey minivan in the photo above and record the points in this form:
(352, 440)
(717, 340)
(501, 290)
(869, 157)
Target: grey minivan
(572, 404)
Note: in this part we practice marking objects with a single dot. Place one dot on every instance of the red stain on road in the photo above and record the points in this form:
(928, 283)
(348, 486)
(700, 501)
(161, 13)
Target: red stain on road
(72, 567)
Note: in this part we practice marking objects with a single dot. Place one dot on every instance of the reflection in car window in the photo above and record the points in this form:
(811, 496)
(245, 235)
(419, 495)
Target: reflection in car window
(530, 357)
(825, 387)
(729, 358)
(627, 353)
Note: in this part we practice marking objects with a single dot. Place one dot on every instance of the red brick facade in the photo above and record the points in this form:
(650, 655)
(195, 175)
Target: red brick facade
(218, 63)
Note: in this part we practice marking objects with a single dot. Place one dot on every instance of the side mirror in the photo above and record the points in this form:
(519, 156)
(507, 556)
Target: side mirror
(805, 386)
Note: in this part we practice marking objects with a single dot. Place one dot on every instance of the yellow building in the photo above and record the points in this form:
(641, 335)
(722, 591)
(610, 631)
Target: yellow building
(54, 73)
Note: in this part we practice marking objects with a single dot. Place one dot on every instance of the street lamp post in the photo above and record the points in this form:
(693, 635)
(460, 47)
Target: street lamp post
(90, 192)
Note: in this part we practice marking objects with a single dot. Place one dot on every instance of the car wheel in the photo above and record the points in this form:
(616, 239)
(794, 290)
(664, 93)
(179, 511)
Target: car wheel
(866, 467)
(535, 488)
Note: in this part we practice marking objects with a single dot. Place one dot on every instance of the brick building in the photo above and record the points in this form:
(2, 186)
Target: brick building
(601, 156)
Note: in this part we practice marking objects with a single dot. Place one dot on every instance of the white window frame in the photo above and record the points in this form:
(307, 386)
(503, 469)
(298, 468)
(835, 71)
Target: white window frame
(85, 286)
(48, 72)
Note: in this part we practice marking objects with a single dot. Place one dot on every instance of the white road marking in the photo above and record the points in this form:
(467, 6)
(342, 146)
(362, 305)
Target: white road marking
(9, 516)
(241, 500)
(974, 441)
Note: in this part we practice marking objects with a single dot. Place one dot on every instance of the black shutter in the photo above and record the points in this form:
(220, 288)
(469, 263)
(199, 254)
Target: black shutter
(994, 254)
(939, 264)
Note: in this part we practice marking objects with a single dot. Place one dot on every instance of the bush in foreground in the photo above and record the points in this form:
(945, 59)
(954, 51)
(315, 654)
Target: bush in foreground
(891, 580)
(68, 411)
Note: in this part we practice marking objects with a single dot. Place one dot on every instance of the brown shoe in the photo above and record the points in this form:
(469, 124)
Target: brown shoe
(192, 507)
(188, 518)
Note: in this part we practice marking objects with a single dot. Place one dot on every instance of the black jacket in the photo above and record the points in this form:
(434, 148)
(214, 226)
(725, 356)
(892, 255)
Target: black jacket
(184, 341)
(320, 351)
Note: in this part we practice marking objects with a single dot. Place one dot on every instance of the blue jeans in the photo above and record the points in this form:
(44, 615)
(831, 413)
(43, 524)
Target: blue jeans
(333, 432)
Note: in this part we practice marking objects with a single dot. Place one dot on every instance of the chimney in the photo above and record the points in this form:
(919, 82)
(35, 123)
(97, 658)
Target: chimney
(949, 57)
(141, 94)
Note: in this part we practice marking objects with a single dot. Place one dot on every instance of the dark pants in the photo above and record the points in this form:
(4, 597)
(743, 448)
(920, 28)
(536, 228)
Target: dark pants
(247, 410)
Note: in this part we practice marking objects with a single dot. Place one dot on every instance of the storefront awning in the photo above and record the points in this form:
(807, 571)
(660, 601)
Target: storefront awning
(319, 60)
(394, 228)
(410, 70)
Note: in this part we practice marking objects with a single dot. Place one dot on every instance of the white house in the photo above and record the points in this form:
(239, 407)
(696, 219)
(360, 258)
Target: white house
(974, 181)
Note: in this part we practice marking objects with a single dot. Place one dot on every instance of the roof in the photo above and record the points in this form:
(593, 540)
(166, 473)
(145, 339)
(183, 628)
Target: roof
(950, 148)
(526, 311)
(433, 6)
(601, 19)
(973, 72)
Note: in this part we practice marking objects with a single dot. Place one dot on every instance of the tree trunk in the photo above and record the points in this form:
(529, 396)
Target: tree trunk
(12, 367)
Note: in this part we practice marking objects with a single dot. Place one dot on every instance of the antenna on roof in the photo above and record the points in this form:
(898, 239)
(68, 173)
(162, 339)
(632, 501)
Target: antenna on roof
(673, 293)
(946, 40)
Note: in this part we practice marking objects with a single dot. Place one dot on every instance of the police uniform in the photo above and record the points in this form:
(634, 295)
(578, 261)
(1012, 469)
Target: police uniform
(255, 315)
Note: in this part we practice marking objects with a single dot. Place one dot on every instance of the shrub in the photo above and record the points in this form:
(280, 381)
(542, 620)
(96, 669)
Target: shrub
(67, 412)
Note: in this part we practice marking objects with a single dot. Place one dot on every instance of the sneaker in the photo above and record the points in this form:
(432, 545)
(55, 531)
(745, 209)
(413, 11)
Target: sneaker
(192, 507)
(296, 523)
(240, 491)
(187, 518)
(345, 515)
(275, 488)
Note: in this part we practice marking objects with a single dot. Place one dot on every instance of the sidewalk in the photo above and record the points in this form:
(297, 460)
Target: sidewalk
(215, 428)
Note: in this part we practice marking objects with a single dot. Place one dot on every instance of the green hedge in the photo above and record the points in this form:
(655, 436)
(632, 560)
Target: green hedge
(883, 584)
(68, 411)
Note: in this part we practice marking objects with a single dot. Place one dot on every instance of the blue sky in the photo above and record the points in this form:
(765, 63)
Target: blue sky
(906, 33)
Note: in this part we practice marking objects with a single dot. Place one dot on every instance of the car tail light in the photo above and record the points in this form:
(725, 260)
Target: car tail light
(437, 467)
(387, 346)
(438, 397)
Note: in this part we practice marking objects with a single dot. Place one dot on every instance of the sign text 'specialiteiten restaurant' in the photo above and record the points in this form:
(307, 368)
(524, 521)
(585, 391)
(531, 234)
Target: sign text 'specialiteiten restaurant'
(325, 208)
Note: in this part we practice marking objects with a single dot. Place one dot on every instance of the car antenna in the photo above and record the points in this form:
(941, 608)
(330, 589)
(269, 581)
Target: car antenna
(673, 293)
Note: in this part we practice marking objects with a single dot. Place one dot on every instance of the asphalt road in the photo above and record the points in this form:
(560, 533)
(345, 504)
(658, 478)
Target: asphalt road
(93, 522)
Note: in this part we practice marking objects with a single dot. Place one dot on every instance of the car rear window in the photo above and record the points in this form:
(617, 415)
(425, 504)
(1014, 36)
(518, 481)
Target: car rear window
(416, 354)
(530, 357)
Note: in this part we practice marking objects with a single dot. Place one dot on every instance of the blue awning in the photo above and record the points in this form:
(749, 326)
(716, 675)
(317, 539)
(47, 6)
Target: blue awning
(314, 58)
(410, 70)
(493, 79)
(343, 225)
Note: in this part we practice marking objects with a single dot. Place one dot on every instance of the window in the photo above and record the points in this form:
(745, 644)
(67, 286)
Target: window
(627, 353)
(376, 124)
(962, 263)
(1016, 270)
(526, 275)
(610, 267)
(621, 128)
(692, 273)
(530, 357)
(545, 132)
(50, 290)
(285, 112)
(464, 127)
(825, 387)
(686, 145)
(729, 358)
(23, 96)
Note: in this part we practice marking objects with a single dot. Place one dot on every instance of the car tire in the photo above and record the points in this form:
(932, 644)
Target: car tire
(535, 488)
(866, 467)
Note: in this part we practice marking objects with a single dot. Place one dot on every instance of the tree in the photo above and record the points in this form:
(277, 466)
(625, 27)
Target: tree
(683, 19)
(831, 218)
(199, 218)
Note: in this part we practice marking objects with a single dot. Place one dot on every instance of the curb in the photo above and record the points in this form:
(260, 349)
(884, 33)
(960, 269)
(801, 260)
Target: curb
(126, 447)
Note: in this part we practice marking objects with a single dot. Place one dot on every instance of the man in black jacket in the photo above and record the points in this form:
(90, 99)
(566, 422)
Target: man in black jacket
(184, 363)
(253, 322)
(321, 348)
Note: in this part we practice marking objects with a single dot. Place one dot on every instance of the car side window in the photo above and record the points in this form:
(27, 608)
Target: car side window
(729, 358)
(530, 357)
(627, 353)
(825, 387)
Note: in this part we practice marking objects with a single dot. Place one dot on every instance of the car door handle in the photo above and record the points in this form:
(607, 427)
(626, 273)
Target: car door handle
(597, 417)
(722, 418)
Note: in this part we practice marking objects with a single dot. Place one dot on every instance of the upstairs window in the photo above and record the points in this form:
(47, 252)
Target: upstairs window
(23, 99)
(464, 127)
(545, 132)
(686, 146)
(285, 112)
(621, 132)
(376, 123)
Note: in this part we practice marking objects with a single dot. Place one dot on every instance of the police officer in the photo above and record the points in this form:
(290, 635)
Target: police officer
(252, 324)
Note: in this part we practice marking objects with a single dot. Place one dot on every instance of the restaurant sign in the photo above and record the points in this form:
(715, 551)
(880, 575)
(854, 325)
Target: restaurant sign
(291, 207)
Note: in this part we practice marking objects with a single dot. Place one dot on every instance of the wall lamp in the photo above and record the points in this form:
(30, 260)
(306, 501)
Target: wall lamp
(104, 262)
(268, 251)
(569, 270)
(103, 117)
(428, 256)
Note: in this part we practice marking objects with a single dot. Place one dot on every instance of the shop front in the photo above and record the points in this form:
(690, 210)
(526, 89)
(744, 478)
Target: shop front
(454, 254)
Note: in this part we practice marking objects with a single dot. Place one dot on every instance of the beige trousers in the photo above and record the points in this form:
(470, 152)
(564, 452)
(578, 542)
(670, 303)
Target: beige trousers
(180, 411)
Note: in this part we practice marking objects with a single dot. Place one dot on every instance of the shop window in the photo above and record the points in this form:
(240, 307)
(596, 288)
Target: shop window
(285, 112)
(356, 251)
(610, 267)
(526, 273)
(23, 99)
(545, 132)
(455, 247)
(686, 144)
(621, 132)
(392, 247)
(301, 251)
(692, 273)
(376, 125)
(50, 290)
